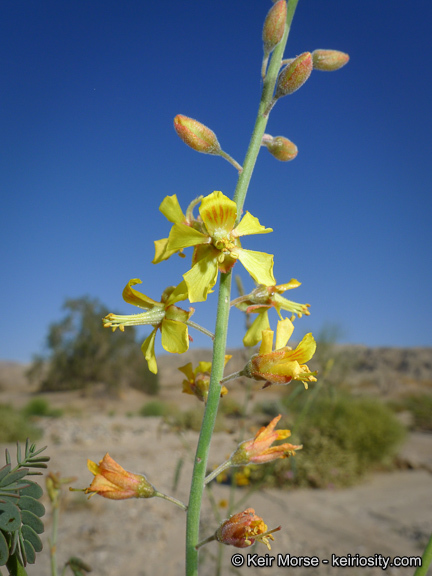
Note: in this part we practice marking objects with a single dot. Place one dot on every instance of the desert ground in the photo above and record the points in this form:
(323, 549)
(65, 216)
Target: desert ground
(387, 514)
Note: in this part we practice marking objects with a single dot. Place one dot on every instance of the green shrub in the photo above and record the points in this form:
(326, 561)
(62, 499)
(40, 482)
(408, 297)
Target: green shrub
(41, 407)
(83, 353)
(420, 406)
(15, 427)
(361, 426)
(342, 437)
(155, 408)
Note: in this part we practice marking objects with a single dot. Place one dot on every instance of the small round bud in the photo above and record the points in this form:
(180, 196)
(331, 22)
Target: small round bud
(329, 60)
(280, 147)
(274, 26)
(196, 135)
(294, 75)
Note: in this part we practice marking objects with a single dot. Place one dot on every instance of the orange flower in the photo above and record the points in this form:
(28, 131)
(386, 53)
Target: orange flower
(114, 482)
(242, 529)
(258, 450)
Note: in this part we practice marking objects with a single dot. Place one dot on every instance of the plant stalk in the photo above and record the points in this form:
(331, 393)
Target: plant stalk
(224, 297)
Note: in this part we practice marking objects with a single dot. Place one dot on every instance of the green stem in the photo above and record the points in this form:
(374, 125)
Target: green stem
(261, 122)
(171, 499)
(200, 328)
(219, 343)
(232, 376)
(53, 541)
(217, 471)
(426, 560)
(201, 456)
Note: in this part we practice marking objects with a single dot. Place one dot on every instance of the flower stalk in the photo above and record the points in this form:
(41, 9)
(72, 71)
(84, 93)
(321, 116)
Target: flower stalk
(224, 297)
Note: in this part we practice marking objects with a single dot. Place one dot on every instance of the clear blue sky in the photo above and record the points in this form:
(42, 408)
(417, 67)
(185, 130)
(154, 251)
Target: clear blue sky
(88, 94)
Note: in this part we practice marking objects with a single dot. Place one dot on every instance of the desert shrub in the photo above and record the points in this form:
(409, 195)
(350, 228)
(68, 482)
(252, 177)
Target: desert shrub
(362, 426)
(270, 408)
(81, 353)
(230, 407)
(343, 437)
(420, 406)
(41, 407)
(155, 408)
(15, 427)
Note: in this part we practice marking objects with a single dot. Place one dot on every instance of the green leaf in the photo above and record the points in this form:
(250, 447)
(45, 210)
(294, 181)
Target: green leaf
(33, 490)
(13, 477)
(4, 549)
(30, 552)
(4, 471)
(10, 518)
(33, 521)
(15, 567)
(30, 535)
(31, 504)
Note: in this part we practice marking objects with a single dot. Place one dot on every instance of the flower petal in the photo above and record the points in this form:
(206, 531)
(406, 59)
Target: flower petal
(148, 351)
(218, 213)
(180, 293)
(254, 334)
(259, 265)
(182, 236)
(304, 350)
(161, 251)
(201, 278)
(250, 225)
(284, 330)
(170, 208)
(174, 336)
(137, 298)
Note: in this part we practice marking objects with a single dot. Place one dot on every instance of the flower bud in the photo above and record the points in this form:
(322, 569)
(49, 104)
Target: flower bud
(280, 147)
(274, 26)
(196, 135)
(329, 60)
(294, 75)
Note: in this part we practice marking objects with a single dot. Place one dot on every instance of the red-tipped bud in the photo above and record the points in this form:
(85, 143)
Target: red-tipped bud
(280, 147)
(329, 60)
(274, 26)
(294, 75)
(196, 135)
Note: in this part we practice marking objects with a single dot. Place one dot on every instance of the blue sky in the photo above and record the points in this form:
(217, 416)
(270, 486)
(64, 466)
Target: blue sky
(88, 151)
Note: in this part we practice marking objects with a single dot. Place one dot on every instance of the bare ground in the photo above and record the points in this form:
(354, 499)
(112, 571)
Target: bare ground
(388, 514)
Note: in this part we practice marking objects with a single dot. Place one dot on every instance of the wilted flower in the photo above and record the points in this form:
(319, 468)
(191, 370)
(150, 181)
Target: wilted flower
(260, 301)
(114, 482)
(243, 529)
(198, 380)
(283, 364)
(259, 450)
(215, 239)
(163, 315)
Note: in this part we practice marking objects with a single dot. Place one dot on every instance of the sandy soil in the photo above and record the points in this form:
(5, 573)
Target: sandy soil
(388, 514)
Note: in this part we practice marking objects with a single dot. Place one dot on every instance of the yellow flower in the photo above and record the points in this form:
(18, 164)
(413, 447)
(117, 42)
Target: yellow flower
(260, 300)
(197, 381)
(216, 243)
(243, 529)
(114, 482)
(258, 450)
(283, 364)
(163, 315)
